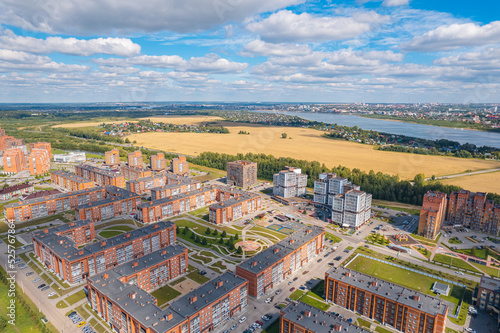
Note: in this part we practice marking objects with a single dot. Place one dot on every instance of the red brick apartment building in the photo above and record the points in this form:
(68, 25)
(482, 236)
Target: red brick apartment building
(390, 304)
(112, 157)
(233, 204)
(135, 159)
(432, 214)
(474, 211)
(265, 270)
(174, 187)
(70, 181)
(72, 264)
(39, 161)
(179, 166)
(9, 142)
(300, 317)
(128, 308)
(16, 190)
(116, 203)
(487, 297)
(25, 210)
(100, 176)
(241, 173)
(42, 145)
(143, 185)
(14, 161)
(134, 172)
(158, 162)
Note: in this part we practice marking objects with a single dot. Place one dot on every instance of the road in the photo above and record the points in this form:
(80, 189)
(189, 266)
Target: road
(466, 174)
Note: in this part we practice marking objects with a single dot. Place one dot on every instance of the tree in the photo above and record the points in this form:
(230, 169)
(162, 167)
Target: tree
(198, 239)
(224, 233)
(473, 251)
(185, 231)
(236, 237)
(127, 140)
(304, 212)
(221, 240)
(177, 230)
(239, 250)
(231, 246)
(193, 235)
(284, 135)
(204, 241)
(208, 231)
(215, 232)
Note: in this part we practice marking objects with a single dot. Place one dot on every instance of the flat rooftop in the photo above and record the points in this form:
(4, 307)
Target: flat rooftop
(17, 187)
(145, 179)
(425, 303)
(71, 176)
(490, 284)
(53, 196)
(176, 197)
(101, 171)
(318, 321)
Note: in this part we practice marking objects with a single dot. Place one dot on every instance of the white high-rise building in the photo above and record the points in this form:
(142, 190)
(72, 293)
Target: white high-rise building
(289, 183)
(352, 209)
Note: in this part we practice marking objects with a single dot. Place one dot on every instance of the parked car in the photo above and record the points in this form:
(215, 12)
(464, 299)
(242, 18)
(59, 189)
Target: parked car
(278, 291)
(45, 288)
(82, 323)
(30, 273)
(36, 280)
(51, 294)
(41, 286)
(302, 288)
(267, 300)
(292, 289)
(242, 319)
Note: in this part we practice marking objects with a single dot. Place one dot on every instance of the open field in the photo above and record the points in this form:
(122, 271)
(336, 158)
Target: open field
(485, 182)
(179, 120)
(308, 144)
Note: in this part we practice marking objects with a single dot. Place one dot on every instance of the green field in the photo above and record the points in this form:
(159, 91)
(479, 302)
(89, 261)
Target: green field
(201, 279)
(455, 262)
(165, 294)
(332, 237)
(110, 233)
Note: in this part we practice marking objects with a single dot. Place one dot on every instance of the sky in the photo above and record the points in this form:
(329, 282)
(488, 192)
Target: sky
(372, 51)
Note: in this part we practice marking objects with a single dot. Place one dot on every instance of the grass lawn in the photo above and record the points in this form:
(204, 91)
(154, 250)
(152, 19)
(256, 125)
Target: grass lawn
(480, 253)
(492, 271)
(332, 237)
(425, 252)
(219, 265)
(179, 280)
(110, 233)
(315, 302)
(297, 294)
(455, 240)
(107, 224)
(78, 296)
(273, 328)
(403, 277)
(201, 279)
(165, 294)
(380, 329)
(202, 258)
(457, 262)
(208, 254)
(424, 240)
(16, 243)
(363, 323)
(123, 228)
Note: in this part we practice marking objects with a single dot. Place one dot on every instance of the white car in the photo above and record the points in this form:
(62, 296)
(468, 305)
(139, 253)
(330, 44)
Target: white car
(234, 327)
(51, 294)
(267, 300)
(242, 319)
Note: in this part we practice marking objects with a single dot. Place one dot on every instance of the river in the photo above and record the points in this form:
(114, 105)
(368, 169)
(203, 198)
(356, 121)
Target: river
(479, 138)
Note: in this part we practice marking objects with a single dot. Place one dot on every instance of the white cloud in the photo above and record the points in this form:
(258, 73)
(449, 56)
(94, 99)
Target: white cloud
(453, 36)
(116, 46)
(212, 63)
(18, 60)
(259, 47)
(286, 26)
(394, 3)
(487, 60)
(108, 16)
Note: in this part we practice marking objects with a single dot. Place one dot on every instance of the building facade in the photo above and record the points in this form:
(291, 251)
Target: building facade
(232, 205)
(144, 185)
(59, 252)
(15, 191)
(42, 145)
(134, 172)
(179, 166)
(352, 209)
(241, 173)
(174, 187)
(432, 214)
(100, 176)
(117, 202)
(265, 270)
(14, 161)
(289, 183)
(390, 304)
(39, 161)
(112, 157)
(328, 185)
(71, 157)
(135, 159)
(487, 297)
(158, 162)
(70, 181)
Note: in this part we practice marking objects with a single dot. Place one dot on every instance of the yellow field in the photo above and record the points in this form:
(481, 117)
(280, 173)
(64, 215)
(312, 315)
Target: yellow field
(485, 182)
(179, 120)
(309, 145)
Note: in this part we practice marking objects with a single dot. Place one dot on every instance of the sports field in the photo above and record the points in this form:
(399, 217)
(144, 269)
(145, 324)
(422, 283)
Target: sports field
(485, 182)
(307, 144)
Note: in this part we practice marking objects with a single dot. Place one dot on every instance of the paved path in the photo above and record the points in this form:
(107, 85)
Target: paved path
(466, 174)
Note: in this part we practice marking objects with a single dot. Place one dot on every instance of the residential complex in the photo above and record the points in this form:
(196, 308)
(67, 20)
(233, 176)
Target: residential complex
(432, 214)
(352, 209)
(41, 145)
(112, 157)
(116, 202)
(158, 162)
(71, 157)
(57, 248)
(39, 162)
(100, 176)
(232, 205)
(179, 166)
(144, 185)
(14, 161)
(265, 270)
(174, 187)
(328, 185)
(460, 209)
(134, 172)
(15, 191)
(70, 181)
(135, 159)
(390, 304)
(487, 295)
(304, 318)
(10, 142)
(241, 173)
(289, 183)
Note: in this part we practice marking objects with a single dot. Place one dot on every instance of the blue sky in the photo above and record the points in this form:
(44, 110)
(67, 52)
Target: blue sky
(250, 50)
